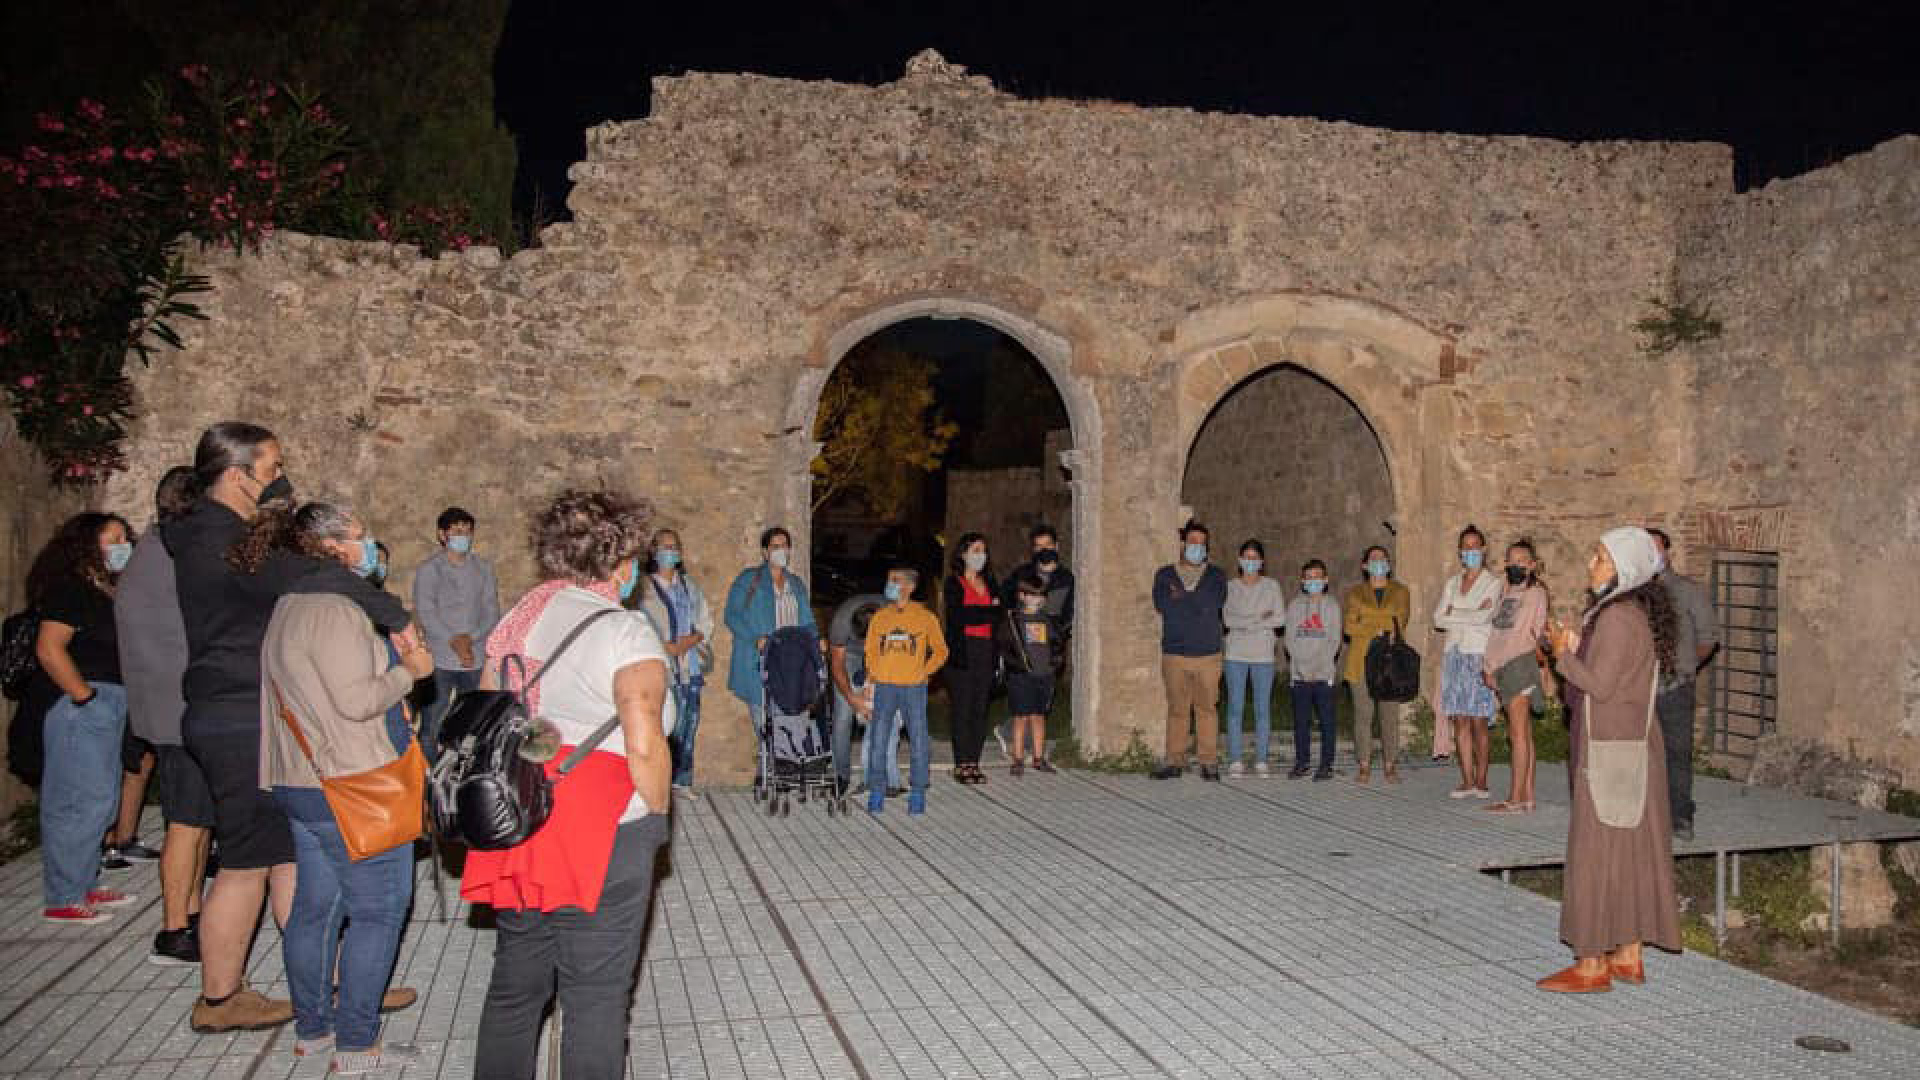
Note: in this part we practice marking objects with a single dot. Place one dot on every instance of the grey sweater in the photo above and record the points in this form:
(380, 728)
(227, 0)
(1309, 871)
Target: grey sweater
(1313, 638)
(1252, 613)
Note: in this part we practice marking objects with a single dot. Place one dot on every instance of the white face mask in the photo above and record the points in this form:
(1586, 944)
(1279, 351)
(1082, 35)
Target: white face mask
(975, 561)
(779, 557)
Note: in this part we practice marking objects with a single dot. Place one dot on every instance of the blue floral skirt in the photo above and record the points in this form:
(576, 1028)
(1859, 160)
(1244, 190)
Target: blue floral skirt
(1462, 691)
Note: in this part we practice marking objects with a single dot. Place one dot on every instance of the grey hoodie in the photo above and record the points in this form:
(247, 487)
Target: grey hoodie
(1313, 638)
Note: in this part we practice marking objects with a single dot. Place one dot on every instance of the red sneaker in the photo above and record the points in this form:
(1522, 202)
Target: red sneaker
(109, 898)
(74, 915)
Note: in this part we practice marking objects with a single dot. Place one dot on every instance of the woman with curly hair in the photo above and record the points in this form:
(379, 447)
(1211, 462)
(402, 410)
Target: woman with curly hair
(571, 901)
(71, 587)
(1619, 882)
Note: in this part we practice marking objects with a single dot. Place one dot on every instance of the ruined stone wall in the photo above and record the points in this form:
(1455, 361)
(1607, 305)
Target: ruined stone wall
(1806, 410)
(1471, 295)
(1288, 461)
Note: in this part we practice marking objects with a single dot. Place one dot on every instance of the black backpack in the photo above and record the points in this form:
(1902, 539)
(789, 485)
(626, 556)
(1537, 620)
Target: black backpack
(482, 791)
(19, 636)
(1393, 668)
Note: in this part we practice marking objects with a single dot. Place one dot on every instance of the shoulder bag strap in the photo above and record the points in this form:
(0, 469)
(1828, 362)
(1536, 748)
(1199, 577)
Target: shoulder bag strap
(299, 737)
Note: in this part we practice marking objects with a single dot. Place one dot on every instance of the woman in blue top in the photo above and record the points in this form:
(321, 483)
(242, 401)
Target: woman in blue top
(762, 599)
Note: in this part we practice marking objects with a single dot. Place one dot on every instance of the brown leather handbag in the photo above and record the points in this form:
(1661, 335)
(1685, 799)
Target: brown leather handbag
(377, 810)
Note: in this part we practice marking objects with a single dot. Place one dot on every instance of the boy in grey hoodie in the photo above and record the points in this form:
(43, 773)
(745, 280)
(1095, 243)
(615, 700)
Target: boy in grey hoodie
(1312, 639)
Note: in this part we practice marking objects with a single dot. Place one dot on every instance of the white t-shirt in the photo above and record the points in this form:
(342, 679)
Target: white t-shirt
(577, 695)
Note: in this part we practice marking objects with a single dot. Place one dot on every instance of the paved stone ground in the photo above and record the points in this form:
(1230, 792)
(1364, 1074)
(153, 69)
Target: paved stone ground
(1069, 926)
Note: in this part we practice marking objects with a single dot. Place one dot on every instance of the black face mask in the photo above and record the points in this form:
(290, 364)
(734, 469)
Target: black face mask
(1047, 559)
(1517, 575)
(281, 488)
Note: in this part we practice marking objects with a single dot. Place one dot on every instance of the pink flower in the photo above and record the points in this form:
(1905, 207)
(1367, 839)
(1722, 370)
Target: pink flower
(48, 122)
(28, 382)
(92, 110)
(86, 410)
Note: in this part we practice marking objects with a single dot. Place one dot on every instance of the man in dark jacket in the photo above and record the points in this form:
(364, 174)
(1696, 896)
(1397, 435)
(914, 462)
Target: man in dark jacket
(1189, 595)
(225, 613)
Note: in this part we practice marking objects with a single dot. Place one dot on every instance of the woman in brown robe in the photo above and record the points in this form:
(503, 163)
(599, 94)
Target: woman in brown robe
(1619, 881)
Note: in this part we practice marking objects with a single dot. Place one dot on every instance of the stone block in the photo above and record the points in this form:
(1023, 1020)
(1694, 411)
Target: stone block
(1866, 892)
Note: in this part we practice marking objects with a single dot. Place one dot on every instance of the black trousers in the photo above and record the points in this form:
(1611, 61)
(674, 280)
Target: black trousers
(1675, 710)
(593, 957)
(970, 688)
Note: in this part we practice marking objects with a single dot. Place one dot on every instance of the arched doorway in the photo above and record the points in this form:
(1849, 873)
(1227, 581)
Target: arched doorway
(1074, 462)
(1287, 458)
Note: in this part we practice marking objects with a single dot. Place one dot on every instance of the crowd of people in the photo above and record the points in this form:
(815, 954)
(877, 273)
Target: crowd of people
(243, 652)
(1625, 675)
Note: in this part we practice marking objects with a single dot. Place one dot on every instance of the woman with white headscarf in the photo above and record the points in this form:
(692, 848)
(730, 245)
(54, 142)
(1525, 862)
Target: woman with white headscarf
(1619, 881)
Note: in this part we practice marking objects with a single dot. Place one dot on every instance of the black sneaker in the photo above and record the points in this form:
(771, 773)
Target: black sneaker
(139, 852)
(175, 948)
(1208, 772)
(1299, 771)
(1167, 772)
(112, 859)
(1683, 831)
(1324, 772)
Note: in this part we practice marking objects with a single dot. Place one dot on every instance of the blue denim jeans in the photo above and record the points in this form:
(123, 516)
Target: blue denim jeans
(846, 752)
(371, 895)
(1239, 673)
(445, 682)
(687, 701)
(891, 705)
(1311, 699)
(79, 790)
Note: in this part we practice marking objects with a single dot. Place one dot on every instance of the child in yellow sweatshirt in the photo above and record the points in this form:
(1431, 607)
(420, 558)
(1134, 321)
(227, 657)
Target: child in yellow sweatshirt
(905, 647)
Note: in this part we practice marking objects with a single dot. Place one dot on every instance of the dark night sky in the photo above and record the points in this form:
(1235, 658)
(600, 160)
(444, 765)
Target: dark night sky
(1790, 93)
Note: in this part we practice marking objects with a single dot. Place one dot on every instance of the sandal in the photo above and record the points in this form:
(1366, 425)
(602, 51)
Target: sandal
(1393, 774)
(1364, 774)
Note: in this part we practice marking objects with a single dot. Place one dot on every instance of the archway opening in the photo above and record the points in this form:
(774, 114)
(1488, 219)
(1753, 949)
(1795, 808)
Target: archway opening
(1288, 459)
(930, 428)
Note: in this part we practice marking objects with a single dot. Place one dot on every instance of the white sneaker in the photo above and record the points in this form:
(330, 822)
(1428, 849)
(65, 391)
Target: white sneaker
(1463, 793)
(1482, 793)
(1260, 769)
(1236, 771)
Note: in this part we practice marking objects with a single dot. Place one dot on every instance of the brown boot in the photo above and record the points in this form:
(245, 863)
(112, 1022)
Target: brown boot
(244, 1010)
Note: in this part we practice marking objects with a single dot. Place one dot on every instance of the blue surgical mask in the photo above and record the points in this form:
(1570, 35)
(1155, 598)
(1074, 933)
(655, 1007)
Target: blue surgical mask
(369, 557)
(626, 587)
(1379, 568)
(780, 557)
(460, 545)
(118, 555)
(1196, 553)
(1472, 559)
(668, 558)
(1251, 566)
(1314, 588)
(892, 592)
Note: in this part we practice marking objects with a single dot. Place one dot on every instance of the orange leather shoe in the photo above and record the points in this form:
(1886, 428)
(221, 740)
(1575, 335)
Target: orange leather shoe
(1573, 981)
(1635, 973)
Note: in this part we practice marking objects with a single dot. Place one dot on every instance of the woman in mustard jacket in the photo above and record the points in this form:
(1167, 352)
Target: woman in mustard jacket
(1373, 607)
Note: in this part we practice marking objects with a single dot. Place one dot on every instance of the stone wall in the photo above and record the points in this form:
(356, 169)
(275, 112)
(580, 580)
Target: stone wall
(1474, 297)
(1802, 440)
(1288, 460)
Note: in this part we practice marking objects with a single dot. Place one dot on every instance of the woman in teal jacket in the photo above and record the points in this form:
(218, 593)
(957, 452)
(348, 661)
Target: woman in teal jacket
(761, 600)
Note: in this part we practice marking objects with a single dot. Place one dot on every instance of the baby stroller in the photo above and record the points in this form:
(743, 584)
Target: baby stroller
(796, 758)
